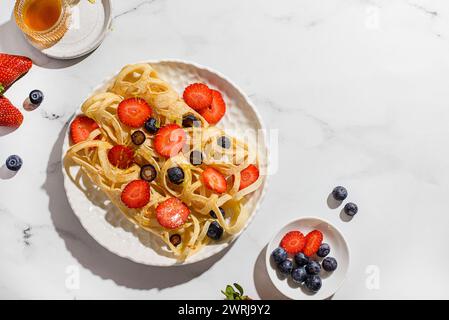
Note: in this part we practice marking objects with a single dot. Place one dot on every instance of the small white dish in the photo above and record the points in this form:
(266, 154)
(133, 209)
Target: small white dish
(331, 281)
(90, 23)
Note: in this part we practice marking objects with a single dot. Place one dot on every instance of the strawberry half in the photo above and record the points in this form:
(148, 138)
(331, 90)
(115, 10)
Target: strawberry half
(134, 112)
(169, 140)
(121, 156)
(10, 116)
(248, 176)
(172, 213)
(313, 242)
(198, 96)
(214, 180)
(293, 242)
(81, 127)
(136, 194)
(216, 110)
(12, 68)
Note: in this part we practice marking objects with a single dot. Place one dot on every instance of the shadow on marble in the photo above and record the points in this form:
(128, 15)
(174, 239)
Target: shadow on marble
(332, 203)
(99, 260)
(6, 130)
(5, 173)
(13, 41)
(344, 217)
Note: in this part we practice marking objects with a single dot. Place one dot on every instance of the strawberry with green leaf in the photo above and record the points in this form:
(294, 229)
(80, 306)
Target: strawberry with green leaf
(12, 67)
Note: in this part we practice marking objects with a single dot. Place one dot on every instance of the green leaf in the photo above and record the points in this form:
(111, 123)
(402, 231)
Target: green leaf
(239, 288)
(2, 89)
(229, 289)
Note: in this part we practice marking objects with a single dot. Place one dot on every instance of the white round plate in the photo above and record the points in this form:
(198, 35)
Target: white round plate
(109, 227)
(90, 23)
(331, 281)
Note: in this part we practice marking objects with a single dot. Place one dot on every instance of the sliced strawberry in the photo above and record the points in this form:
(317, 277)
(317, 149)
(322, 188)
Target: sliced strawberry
(12, 68)
(216, 110)
(248, 176)
(293, 242)
(81, 128)
(121, 156)
(214, 180)
(313, 242)
(134, 112)
(136, 194)
(169, 140)
(198, 96)
(172, 213)
(10, 116)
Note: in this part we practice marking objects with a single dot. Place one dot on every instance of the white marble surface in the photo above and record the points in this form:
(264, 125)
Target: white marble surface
(358, 91)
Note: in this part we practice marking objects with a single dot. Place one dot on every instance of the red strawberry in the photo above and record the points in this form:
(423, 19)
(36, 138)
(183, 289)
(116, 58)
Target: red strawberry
(248, 176)
(172, 213)
(10, 116)
(134, 112)
(198, 96)
(216, 110)
(81, 127)
(169, 140)
(12, 68)
(313, 242)
(214, 180)
(136, 194)
(121, 156)
(293, 242)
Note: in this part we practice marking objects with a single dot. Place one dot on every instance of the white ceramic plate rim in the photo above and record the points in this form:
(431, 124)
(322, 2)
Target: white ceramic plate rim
(195, 258)
(268, 256)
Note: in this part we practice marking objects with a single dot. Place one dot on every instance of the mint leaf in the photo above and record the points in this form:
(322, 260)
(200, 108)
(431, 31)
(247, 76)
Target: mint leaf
(239, 288)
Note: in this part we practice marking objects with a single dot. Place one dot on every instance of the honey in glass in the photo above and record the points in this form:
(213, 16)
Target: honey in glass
(43, 21)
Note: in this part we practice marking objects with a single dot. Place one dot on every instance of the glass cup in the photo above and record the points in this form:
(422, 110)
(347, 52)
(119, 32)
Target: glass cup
(43, 21)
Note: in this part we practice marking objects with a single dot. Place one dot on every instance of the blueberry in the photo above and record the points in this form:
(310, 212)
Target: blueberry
(190, 121)
(138, 137)
(313, 267)
(224, 142)
(313, 283)
(340, 193)
(215, 231)
(286, 266)
(196, 157)
(14, 163)
(323, 250)
(329, 264)
(279, 255)
(351, 209)
(301, 259)
(299, 275)
(176, 175)
(213, 215)
(36, 97)
(148, 172)
(151, 126)
(175, 239)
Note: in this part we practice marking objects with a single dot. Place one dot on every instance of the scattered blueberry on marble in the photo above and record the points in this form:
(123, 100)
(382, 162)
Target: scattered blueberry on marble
(215, 231)
(339, 193)
(323, 250)
(301, 259)
(36, 97)
(299, 275)
(279, 255)
(14, 163)
(329, 264)
(351, 209)
(313, 267)
(286, 266)
(313, 283)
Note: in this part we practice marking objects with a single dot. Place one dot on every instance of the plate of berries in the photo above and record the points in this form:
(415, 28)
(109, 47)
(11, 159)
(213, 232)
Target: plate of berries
(308, 259)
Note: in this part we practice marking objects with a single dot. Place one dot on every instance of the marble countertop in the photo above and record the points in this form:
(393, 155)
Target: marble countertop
(358, 90)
